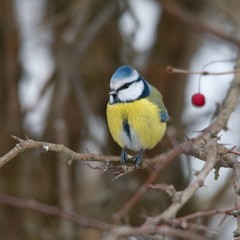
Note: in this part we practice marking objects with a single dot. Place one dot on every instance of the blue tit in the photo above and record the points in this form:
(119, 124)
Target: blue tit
(136, 114)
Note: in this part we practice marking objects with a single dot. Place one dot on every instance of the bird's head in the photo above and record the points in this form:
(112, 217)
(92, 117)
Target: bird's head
(127, 85)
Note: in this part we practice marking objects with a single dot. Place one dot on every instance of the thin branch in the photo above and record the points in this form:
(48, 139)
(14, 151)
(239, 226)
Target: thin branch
(234, 152)
(229, 104)
(192, 188)
(55, 211)
(118, 231)
(173, 70)
(127, 231)
(225, 158)
(236, 186)
(98, 22)
(168, 189)
(188, 18)
(198, 227)
(207, 213)
(143, 189)
(45, 147)
(180, 233)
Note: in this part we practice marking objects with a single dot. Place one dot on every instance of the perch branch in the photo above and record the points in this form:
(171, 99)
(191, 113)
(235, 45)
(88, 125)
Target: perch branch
(45, 147)
(225, 156)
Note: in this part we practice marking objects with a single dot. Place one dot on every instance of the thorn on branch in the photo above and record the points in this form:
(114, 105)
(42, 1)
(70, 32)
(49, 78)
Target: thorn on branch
(124, 169)
(185, 135)
(201, 183)
(177, 197)
(103, 169)
(194, 172)
(168, 189)
(17, 139)
(27, 138)
(219, 137)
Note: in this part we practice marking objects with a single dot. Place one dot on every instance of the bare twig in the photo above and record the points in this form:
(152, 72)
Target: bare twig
(171, 70)
(236, 186)
(191, 189)
(94, 28)
(168, 189)
(228, 106)
(225, 158)
(234, 152)
(207, 213)
(135, 198)
(194, 23)
(45, 147)
(55, 211)
(127, 231)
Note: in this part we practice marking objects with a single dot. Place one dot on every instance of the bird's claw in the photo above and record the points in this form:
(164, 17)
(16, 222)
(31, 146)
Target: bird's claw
(138, 158)
(124, 156)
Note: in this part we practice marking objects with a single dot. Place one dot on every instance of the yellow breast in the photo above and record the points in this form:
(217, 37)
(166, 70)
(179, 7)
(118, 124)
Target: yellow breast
(143, 118)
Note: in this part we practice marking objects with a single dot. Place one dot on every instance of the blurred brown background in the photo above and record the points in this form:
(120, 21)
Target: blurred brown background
(56, 59)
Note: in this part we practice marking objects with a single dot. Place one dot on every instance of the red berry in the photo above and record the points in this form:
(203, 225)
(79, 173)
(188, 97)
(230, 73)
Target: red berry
(198, 100)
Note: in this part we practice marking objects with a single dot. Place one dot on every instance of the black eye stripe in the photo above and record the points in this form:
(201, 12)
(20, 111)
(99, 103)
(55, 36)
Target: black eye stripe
(126, 85)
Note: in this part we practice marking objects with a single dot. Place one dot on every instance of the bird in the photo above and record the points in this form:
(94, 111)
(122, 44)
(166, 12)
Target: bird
(136, 114)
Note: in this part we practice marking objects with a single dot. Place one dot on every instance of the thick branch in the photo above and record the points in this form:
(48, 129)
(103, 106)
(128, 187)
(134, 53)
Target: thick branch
(229, 104)
(225, 157)
(192, 188)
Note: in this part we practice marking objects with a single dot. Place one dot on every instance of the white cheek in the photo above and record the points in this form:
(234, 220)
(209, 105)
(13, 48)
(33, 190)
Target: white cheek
(133, 92)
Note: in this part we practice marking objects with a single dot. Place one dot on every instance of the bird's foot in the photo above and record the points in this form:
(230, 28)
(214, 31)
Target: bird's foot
(124, 156)
(138, 158)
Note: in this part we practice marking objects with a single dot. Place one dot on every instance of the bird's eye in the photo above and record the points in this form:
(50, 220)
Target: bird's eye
(126, 85)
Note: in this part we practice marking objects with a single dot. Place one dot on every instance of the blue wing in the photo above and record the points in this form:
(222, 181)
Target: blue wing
(164, 116)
